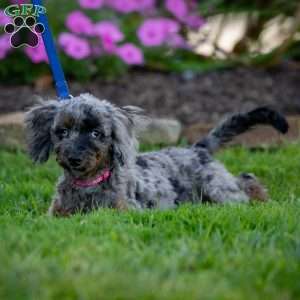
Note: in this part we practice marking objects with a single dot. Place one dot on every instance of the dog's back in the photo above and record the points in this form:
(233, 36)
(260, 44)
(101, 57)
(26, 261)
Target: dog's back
(171, 176)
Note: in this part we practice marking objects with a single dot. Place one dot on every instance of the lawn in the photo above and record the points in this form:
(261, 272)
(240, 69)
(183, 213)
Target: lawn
(194, 252)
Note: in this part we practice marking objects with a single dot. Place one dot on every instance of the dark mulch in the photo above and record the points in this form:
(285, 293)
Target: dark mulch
(188, 97)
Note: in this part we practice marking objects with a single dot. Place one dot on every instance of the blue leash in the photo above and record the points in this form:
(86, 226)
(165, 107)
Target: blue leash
(61, 85)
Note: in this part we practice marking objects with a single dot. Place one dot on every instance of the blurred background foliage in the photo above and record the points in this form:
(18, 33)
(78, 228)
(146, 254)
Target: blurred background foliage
(17, 68)
(266, 8)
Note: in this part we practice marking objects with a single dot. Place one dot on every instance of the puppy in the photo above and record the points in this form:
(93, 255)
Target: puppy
(95, 144)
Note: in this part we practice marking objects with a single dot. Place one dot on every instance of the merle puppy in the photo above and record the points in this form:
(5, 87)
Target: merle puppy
(94, 141)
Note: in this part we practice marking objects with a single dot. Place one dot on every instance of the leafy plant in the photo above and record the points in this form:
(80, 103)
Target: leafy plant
(106, 37)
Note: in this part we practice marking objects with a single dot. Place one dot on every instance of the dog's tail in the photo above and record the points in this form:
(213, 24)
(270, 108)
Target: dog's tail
(239, 123)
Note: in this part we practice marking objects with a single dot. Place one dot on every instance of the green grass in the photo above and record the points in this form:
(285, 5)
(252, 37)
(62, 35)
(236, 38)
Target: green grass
(194, 252)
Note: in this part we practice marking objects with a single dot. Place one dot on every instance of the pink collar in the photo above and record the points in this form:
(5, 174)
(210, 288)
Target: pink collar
(92, 182)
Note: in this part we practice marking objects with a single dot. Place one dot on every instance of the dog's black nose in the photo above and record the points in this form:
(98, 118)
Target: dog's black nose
(74, 161)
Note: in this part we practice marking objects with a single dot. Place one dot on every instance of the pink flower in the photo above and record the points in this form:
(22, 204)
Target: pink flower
(5, 42)
(194, 21)
(65, 38)
(3, 18)
(5, 45)
(2, 54)
(131, 54)
(145, 5)
(177, 41)
(37, 54)
(107, 28)
(109, 46)
(169, 25)
(155, 32)
(79, 23)
(181, 10)
(91, 4)
(75, 47)
(128, 6)
(178, 8)
(151, 33)
(124, 6)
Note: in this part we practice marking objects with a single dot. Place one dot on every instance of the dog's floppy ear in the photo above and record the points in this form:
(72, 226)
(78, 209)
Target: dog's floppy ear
(137, 120)
(125, 122)
(38, 122)
(134, 113)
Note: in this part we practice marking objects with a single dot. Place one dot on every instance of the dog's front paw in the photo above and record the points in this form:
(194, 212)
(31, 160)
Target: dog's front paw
(57, 210)
(122, 204)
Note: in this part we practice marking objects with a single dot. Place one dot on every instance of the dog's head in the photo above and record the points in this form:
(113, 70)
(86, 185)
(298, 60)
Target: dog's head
(86, 134)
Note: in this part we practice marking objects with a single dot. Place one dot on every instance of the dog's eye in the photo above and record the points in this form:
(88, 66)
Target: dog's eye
(95, 134)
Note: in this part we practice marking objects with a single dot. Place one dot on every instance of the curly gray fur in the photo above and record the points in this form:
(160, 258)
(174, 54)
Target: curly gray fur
(89, 135)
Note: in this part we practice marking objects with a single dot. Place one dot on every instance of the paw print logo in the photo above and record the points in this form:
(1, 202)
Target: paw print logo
(24, 31)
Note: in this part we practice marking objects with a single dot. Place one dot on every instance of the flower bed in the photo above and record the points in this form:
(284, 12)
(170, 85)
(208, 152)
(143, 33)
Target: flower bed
(107, 36)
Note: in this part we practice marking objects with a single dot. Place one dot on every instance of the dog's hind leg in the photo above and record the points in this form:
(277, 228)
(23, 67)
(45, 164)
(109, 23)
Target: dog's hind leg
(220, 186)
(252, 187)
